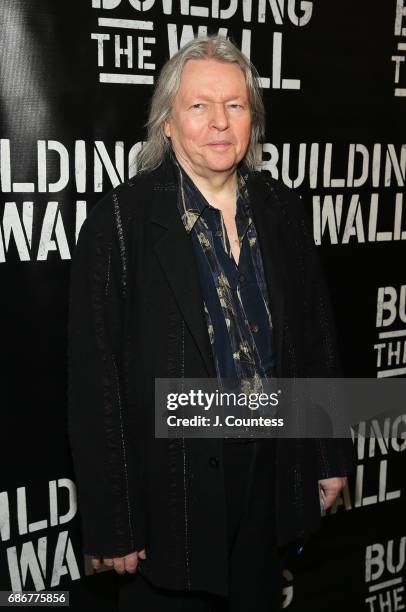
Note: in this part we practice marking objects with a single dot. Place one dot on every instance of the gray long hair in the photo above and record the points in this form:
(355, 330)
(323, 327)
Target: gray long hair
(213, 47)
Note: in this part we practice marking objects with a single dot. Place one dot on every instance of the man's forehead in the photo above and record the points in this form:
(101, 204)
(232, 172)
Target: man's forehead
(211, 68)
(205, 93)
(201, 77)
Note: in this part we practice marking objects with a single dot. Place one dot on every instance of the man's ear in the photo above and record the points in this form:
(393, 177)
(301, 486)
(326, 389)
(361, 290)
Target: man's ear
(167, 128)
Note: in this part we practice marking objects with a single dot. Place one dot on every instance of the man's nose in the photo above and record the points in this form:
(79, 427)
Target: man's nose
(219, 117)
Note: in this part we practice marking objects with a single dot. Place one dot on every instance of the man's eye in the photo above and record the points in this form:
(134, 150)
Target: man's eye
(198, 105)
(235, 105)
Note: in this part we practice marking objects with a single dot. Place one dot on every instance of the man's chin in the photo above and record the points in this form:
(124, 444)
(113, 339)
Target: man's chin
(222, 165)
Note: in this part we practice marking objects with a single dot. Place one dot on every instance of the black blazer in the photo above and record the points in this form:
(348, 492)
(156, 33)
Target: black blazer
(136, 313)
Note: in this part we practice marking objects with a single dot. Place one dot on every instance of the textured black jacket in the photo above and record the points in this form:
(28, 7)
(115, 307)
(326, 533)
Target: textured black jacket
(136, 313)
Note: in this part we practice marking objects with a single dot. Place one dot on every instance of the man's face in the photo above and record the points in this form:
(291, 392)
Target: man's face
(210, 123)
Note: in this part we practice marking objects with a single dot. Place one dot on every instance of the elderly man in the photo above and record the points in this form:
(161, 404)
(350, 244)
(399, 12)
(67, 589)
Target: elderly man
(200, 266)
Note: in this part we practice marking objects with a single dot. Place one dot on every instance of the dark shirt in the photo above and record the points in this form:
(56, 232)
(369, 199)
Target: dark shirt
(235, 297)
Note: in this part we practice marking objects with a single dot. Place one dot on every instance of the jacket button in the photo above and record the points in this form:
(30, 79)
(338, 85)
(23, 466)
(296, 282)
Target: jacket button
(214, 462)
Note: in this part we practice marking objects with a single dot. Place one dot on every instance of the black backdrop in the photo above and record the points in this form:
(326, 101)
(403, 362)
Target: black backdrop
(75, 82)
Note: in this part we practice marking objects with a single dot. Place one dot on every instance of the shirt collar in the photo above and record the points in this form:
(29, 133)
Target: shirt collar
(192, 203)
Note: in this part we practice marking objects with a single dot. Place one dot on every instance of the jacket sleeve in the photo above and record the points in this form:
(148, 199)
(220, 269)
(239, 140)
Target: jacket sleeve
(96, 402)
(334, 456)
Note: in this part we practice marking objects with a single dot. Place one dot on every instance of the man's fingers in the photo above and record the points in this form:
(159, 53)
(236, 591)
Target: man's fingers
(127, 563)
(329, 499)
(108, 561)
(119, 565)
(131, 562)
(95, 561)
(331, 488)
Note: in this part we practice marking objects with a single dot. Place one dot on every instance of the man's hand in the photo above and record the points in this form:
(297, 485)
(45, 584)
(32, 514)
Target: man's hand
(331, 487)
(128, 563)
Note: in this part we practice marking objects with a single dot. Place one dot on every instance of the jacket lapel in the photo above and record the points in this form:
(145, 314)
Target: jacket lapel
(174, 250)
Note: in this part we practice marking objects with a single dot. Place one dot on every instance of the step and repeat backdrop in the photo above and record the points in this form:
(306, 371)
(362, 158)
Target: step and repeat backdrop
(75, 81)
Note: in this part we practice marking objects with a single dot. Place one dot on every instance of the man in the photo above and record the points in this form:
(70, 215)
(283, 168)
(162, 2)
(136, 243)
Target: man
(198, 267)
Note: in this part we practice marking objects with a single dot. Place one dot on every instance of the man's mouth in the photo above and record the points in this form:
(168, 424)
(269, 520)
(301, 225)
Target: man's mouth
(220, 144)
